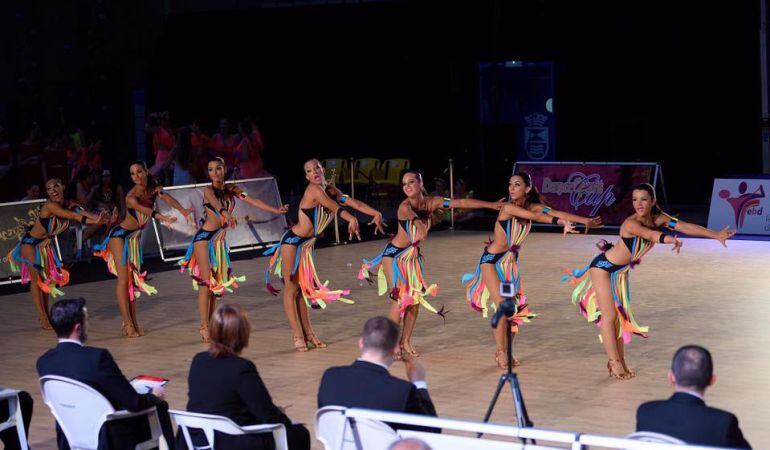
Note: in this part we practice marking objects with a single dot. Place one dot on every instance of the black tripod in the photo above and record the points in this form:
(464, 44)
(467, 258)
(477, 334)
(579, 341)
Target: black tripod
(508, 308)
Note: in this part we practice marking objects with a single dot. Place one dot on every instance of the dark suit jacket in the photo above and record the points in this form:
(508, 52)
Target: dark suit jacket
(96, 368)
(687, 417)
(367, 385)
(232, 387)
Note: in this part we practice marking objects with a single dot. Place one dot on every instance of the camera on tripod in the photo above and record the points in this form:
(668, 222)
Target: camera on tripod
(508, 306)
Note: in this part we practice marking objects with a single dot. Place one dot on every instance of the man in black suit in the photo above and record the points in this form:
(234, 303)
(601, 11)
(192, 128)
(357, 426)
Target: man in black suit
(96, 368)
(685, 415)
(368, 384)
(10, 437)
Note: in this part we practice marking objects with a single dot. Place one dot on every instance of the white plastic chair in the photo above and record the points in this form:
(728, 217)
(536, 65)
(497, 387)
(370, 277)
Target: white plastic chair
(436, 441)
(81, 411)
(658, 438)
(14, 416)
(337, 432)
(210, 423)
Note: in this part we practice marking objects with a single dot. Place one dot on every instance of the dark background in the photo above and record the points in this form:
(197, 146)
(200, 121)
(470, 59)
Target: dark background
(674, 82)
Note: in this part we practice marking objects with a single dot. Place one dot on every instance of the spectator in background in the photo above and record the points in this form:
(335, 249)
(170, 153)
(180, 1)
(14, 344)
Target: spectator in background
(368, 384)
(223, 143)
(222, 383)
(158, 125)
(249, 151)
(685, 415)
(183, 158)
(409, 444)
(108, 196)
(201, 145)
(95, 367)
(7, 158)
(81, 189)
(33, 193)
(461, 191)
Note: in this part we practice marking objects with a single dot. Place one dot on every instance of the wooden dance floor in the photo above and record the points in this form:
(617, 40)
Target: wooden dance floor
(719, 298)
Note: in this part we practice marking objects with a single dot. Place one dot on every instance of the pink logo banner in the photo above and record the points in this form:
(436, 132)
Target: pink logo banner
(590, 189)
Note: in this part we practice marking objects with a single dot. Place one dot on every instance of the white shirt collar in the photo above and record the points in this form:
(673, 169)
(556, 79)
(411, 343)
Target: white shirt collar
(693, 393)
(73, 341)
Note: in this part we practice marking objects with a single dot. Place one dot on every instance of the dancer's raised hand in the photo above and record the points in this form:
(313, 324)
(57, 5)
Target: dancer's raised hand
(378, 225)
(677, 246)
(593, 222)
(724, 235)
(569, 226)
(353, 229)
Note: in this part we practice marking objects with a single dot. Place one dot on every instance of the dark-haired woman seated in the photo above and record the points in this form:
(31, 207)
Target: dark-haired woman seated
(224, 384)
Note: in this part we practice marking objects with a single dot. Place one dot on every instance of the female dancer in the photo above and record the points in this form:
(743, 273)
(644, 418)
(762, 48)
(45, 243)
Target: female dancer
(293, 256)
(208, 257)
(122, 248)
(34, 256)
(602, 288)
(400, 263)
(499, 262)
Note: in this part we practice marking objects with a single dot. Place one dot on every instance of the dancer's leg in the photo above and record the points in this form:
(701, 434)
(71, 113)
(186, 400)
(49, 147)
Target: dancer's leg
(290, 294)
(201, 252)
(38, 297)
(121, 287)
(600, 279)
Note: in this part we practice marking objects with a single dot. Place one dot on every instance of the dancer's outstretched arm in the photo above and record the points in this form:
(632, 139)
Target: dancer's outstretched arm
(589, 222)
(257, 203)
(435, 203)
(691, 229)
(358, 205)
(133, 203)
(318, 194)
(174, 203)
(64, 213)
(637, 229)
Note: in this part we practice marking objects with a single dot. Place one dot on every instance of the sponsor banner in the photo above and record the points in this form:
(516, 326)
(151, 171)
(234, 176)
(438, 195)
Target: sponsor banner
(741, 204)
(255, 226)
(590, 189)
(15, 219)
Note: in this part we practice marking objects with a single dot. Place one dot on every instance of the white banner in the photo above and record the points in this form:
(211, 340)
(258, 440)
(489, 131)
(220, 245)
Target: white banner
(255, 227)
(741, 204)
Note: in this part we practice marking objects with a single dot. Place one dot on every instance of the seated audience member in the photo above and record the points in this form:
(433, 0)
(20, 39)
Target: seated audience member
(685, 415)
(96, 368)
(409, 444)
(224, 384)
(10, 437)
(367, 383)
(33, 193)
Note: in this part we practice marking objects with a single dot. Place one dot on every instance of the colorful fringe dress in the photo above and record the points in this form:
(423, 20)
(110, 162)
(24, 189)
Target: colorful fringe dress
(131, 256)
(222, 278)
(584, 294)
(409, 285)
(507, 268)
(51, 275)
(315, 293)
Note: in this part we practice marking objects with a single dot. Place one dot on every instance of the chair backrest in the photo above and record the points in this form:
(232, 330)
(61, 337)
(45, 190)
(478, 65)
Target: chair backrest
(659, 438)
(437, 441)
(341, 169)
(329, 420)
(337, 432)
(393, 170)
(364, 168)
(209, 423)
(79, 409)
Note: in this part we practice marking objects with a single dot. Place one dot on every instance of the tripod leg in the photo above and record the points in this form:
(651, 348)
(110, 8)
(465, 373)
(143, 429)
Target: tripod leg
(492, 403)
(522, 418)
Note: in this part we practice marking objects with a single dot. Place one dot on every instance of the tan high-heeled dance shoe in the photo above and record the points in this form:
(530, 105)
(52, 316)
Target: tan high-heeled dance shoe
(299, 344)
(312, 340)
(616, 370)
(129, 330)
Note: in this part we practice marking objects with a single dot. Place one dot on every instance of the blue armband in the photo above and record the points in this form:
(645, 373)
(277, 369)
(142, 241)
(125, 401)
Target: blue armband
(343, 198)
(672, 223)
(446, 202)
(546, 210)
